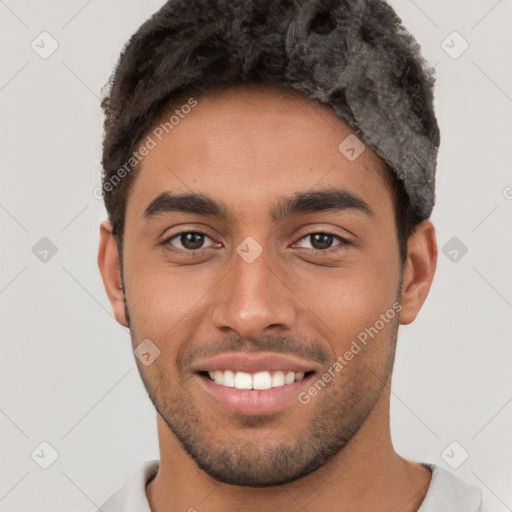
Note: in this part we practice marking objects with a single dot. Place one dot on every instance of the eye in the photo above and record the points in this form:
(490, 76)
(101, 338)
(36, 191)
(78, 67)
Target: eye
(193, 241)
(189, 240)
(322, 241)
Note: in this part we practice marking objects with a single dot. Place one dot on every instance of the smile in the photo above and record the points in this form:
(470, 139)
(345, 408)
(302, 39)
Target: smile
(251, 394)
(259, 381)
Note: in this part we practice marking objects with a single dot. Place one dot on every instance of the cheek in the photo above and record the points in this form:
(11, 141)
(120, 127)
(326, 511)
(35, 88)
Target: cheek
(163, 299)
(349, 300)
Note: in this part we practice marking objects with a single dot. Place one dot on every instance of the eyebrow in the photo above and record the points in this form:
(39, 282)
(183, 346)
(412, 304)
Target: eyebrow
(299, 203)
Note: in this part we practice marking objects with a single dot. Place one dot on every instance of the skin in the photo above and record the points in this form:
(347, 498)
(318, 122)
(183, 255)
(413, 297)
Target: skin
(248, 147)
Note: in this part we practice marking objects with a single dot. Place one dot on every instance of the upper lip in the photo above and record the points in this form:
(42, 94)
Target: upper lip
(253, 363)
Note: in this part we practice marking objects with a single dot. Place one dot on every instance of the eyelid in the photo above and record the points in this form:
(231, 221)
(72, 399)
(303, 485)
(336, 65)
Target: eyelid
(341, 245)
(202, 231)
(341, 239)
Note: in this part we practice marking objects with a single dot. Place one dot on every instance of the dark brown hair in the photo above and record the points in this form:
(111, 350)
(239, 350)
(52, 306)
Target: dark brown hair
(351, 55)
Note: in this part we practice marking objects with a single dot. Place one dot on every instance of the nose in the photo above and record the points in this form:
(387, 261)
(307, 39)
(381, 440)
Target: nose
(252, 298)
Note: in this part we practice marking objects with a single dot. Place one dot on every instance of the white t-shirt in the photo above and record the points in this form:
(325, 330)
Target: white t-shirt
(445, 493)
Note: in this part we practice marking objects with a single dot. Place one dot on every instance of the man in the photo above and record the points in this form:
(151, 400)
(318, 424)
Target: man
(269, 177)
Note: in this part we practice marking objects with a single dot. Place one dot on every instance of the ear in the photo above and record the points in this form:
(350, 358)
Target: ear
(110, 269)
(419, 270)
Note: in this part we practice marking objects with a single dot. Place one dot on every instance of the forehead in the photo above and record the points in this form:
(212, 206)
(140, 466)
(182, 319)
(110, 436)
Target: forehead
(252, 144)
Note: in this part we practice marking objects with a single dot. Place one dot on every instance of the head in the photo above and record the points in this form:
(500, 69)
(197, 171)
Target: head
(221, 144)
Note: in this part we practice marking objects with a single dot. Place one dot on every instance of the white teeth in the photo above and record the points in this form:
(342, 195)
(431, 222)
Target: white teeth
(260, 380)
(278, 379)
(228, 379)
(289, 378)
(242, 380)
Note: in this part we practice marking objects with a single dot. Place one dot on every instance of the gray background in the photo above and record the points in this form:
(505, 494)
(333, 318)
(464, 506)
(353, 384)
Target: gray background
(67, 374)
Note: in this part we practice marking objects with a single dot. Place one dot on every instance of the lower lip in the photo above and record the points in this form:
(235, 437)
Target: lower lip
(254, 401)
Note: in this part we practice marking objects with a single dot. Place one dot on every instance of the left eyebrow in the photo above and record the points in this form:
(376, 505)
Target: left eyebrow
(333, 199)
(300, 203)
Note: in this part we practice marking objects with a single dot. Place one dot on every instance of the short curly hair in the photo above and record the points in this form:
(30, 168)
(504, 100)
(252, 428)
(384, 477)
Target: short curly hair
(353, 56)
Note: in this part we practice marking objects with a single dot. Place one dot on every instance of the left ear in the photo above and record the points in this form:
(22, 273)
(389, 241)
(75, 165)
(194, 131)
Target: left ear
(419, 270)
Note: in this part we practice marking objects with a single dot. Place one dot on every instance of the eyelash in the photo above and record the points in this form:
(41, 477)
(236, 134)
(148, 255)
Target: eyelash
(192, 252)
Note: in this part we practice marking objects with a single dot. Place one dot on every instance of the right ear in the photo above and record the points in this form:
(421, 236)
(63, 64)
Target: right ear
(110, 269)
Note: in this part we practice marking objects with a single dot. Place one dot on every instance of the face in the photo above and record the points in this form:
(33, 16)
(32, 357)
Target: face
(285, 256)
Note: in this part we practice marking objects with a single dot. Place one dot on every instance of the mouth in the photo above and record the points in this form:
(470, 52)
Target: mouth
(263, 392)
(258, 381)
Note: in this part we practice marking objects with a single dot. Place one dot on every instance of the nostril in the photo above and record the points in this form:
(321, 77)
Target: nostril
(322, 23)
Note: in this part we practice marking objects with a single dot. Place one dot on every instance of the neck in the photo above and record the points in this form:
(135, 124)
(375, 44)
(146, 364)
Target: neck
(367, 474)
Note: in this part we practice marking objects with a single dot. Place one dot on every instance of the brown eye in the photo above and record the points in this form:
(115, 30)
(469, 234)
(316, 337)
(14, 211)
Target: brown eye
(189, 240)
(322, 241)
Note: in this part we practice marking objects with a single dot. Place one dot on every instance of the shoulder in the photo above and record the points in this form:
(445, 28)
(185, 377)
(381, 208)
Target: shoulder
(133, 495)
(114, 503)
(448, 492)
